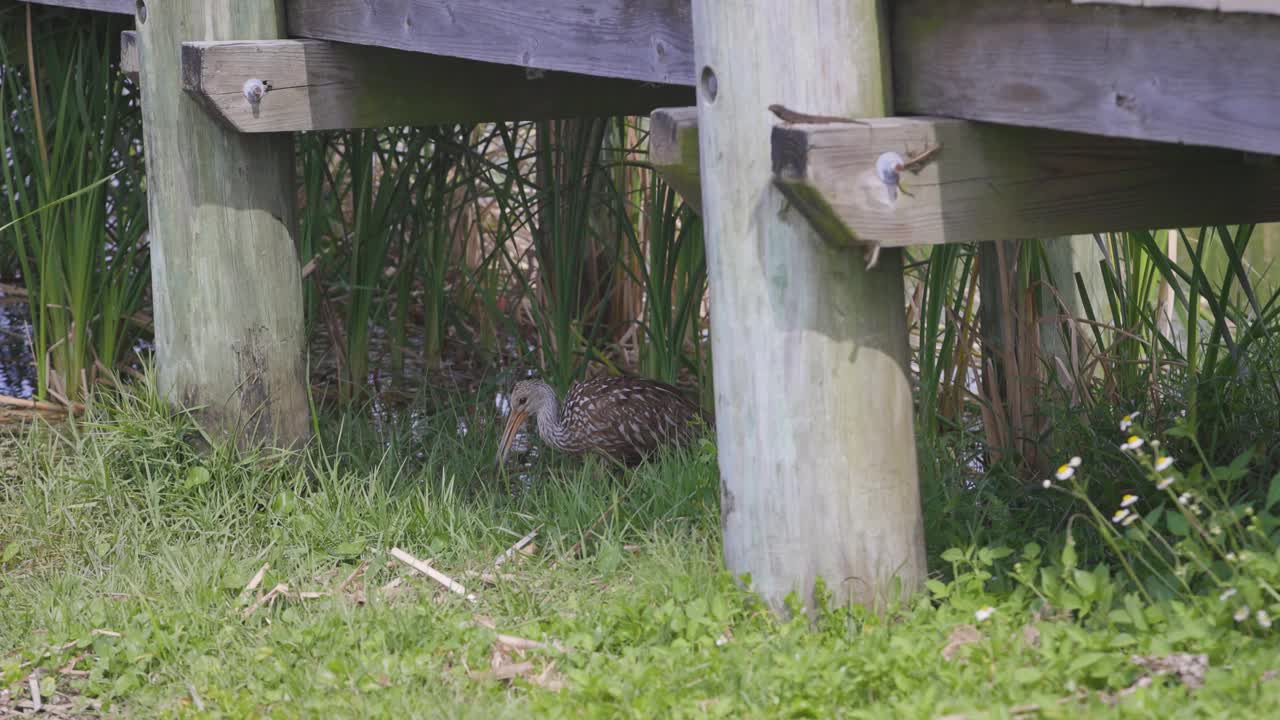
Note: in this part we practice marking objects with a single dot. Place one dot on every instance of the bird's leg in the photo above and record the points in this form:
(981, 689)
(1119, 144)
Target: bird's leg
(914, 163)
(871, 253)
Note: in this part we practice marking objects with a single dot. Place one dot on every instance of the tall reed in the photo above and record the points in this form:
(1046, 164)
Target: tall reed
(72, 121)
(674, 277)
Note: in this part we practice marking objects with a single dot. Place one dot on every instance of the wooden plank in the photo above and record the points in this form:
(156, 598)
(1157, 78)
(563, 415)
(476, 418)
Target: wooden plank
(120, 7)
(322, 85)
(673, 151)
(1266, 7)
(129, 54)
(648, 40)
(813, 402)
(1173, 75)
(992, 182)
(226, 282)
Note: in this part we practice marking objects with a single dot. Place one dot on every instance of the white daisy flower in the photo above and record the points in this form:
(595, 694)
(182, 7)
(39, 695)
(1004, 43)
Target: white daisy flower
(1065, 472)
(1226, 594)
(1133, 443)
(1163, 463)
(1129, 520)
(1126, 422)
(1263, 619)
(984, 612)
(1164, 483)
(1120, 515)
(1128, 500)
(1242, 613)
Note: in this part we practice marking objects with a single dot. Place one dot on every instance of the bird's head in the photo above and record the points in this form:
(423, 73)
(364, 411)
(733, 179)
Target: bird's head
(528, 397)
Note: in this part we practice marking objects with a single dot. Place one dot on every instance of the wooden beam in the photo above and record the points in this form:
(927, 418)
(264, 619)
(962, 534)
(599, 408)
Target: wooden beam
(1269, 7)
(226, 282)
(673, 151)
(648, 40)
(1176, 75)
(120, 7)
(813, 401)
(1183, 76)
(992, 182)
(322, 85)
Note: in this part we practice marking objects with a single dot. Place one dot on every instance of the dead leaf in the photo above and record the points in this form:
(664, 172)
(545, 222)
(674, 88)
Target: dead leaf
(254, 582)
(1189, 668)
(503, 663)
(350, 588)
(1031, 635)
(396, 590)
(549, 679)
(962, 635)
(267, 599)
(503, 672)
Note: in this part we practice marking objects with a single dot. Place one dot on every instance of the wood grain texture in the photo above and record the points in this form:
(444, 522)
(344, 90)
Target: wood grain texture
(1172, 75)
(813, 403)
(673, 150)
(129, 54)
(120, 7)
(226, 283)
(647, 40)
(1266, 7)
(994, 182)
(322, 85)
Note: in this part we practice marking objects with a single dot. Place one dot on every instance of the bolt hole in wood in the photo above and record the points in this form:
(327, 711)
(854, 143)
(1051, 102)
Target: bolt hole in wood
(141, 12)
(708, 84)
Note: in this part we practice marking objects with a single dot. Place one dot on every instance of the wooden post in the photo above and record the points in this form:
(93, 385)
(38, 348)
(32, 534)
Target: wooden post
(226, 281)
(813, 405)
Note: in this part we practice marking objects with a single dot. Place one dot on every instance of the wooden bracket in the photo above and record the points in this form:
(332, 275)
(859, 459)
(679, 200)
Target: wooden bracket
(321, 85)
(673, 151)
(976, 181)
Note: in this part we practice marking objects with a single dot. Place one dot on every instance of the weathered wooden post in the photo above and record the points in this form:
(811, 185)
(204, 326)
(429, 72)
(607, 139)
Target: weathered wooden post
(813, 405)
(226, 281)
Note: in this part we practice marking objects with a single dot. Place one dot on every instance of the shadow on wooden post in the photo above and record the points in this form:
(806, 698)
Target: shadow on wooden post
(225, 275)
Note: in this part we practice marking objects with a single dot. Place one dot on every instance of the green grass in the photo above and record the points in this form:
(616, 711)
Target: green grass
(119, 525)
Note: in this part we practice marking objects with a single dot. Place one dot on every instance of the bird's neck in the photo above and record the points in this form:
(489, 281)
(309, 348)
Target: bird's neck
(549, 427)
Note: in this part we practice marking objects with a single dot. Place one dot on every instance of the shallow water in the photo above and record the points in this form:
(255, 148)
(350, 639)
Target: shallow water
(17, 371)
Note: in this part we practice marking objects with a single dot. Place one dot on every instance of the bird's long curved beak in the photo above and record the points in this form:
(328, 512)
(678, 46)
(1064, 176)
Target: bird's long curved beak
(514, 421)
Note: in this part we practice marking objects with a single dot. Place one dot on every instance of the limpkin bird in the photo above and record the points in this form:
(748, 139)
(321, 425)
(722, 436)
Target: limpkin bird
(624, 418)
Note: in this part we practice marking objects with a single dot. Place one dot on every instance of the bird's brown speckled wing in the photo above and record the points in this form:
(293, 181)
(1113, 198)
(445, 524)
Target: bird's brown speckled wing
(626, 417)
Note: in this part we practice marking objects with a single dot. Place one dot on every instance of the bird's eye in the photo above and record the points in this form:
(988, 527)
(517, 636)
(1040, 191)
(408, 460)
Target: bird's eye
(520, 401)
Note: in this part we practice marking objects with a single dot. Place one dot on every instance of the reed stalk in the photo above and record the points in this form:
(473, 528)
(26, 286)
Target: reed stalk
(72, 121)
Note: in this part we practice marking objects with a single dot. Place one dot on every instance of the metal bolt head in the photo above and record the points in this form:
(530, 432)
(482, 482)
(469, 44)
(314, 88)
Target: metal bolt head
(254, 89)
